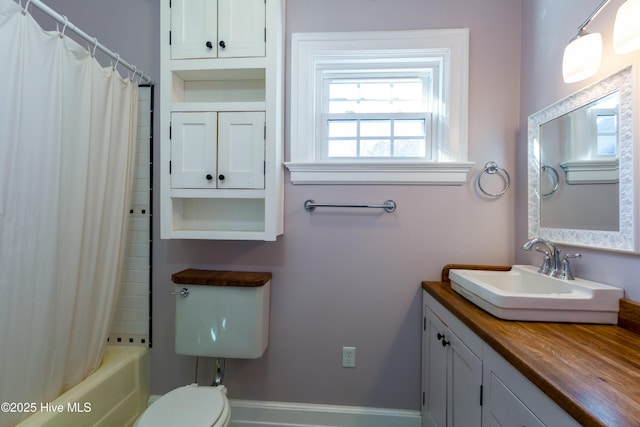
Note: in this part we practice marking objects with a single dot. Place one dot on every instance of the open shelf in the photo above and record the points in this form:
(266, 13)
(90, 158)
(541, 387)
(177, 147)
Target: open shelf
(201, 86)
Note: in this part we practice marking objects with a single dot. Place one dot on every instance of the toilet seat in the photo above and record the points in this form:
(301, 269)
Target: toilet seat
(189, 406)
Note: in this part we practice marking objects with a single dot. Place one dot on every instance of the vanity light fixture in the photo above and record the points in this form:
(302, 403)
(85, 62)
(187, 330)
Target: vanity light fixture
(583, 54)
(626, 30)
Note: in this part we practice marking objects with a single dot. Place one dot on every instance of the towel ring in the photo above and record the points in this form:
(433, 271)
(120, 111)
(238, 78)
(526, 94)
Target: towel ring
(554, 178)
(491, 168)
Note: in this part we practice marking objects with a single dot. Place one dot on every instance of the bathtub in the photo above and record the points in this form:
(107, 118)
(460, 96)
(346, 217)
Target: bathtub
(113, 396)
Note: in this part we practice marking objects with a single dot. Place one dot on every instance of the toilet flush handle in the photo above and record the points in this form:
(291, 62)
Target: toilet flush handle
(184, 292)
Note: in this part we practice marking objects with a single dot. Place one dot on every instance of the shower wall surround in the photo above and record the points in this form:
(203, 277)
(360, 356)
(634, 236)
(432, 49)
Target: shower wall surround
(131, 321)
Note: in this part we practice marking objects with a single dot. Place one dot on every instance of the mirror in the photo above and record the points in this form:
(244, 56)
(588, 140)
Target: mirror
(580, 160)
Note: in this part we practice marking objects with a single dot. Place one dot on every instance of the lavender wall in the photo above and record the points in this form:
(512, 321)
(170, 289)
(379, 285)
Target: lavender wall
(547, 26)
(347, 278)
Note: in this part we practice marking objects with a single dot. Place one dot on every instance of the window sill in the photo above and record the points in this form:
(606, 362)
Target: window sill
(414, 173)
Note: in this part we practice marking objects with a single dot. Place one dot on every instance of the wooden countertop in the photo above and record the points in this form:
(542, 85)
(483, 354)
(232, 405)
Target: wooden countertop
(220, 278)
(591, 371)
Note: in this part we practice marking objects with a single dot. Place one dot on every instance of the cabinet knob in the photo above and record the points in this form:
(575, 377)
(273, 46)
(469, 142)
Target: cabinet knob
(445, 343)
(209, 45)
(221, 177)
(440, 336)
(209, 177)
(222, 44)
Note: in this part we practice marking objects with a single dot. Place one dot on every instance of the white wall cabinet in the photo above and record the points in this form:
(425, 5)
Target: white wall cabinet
(470, 384)
(222, 119)
(217, 150)
(222, 28)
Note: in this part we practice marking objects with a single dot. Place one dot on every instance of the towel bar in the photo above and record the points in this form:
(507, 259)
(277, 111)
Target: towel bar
(388, 205)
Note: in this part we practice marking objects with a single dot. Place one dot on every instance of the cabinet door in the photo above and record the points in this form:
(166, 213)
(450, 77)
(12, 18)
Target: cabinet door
(241, 28)
(453, 379)
(505, 409)
(435, 382)
(194, 29)
(193, 150)
(465, 381)
(241, 149)
(511, 400)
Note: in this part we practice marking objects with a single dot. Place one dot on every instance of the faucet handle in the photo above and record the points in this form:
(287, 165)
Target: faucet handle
(565, 268)
(545, 268)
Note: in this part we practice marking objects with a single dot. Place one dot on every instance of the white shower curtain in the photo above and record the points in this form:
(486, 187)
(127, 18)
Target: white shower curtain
(67, 131)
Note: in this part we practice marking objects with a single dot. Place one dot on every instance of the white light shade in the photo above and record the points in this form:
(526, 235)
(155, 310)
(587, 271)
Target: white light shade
(626, 31)
(582, 57)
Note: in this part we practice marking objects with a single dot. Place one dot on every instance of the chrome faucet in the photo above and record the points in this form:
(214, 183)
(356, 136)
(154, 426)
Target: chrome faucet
(551, 264)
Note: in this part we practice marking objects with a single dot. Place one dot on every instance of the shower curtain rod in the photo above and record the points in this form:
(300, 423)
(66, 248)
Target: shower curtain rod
(94, 42)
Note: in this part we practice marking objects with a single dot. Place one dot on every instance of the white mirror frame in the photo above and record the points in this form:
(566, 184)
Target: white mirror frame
(624, 239)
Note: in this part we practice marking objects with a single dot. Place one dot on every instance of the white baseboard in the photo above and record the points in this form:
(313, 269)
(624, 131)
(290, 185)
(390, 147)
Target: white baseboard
(245, 413)
(251, 413)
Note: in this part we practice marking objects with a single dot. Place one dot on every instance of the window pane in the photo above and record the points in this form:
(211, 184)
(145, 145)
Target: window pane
(409, 148)
(343, 128)
(607, 145)
(378, 90)
(377, 95)
(343, 91)
(408, 90)
(341, 107)
(373, 106)
(606, 124)
(408, 128)
(379, 148)
(343, 148)
(375, 128)
(406, 106)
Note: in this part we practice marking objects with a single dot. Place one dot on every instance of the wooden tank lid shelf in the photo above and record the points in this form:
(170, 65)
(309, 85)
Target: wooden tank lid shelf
(591, 371)
(247, 279)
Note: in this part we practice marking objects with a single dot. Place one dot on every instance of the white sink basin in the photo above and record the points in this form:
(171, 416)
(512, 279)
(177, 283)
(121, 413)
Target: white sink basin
(525, 294)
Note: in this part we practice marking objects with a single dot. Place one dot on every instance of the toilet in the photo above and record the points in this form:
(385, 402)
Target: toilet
(220, 314)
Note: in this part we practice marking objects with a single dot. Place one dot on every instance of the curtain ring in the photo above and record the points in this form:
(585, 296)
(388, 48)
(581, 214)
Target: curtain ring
(117, 61)
(95, 46)
(64, 27)
(135, 70)
(24, 11)
(140, 78)
(491, 168)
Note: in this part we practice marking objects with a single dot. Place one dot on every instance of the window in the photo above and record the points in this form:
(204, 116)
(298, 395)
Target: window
(376, 115)
(606, 134)
(379, 107)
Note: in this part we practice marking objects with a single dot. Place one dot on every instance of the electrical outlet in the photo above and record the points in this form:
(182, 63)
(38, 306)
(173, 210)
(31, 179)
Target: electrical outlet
(348, 357)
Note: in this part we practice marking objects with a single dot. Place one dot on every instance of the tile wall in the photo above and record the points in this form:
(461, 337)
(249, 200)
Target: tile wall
(132, 317)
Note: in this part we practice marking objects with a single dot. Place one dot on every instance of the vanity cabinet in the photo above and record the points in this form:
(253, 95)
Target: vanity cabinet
(467, 383)
(510, 399)
(217, 28)
(222, 119)
(452, 379)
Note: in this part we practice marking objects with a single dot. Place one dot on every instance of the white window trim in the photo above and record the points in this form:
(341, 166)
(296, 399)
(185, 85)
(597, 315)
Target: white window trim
(310, 49)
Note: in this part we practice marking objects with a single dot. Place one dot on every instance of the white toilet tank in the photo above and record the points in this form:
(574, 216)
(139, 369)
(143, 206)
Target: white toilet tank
(222, 313)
